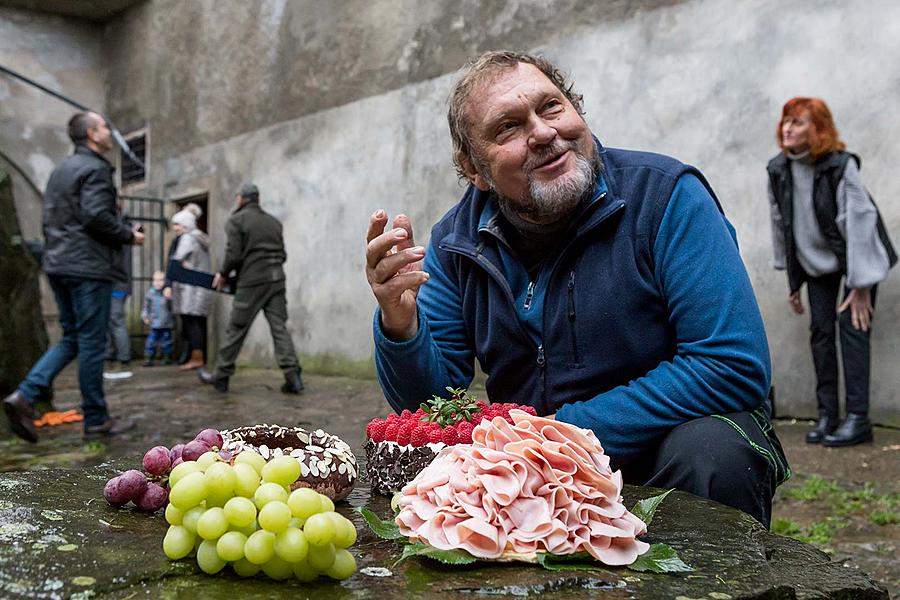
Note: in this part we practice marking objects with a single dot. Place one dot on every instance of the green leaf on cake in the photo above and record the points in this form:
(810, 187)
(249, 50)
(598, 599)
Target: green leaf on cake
(386, 530)
(448, 557)
(661, 558)
(645, 508)
(579, 561)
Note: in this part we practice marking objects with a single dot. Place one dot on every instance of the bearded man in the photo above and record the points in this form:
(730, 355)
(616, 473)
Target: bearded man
(602, 286)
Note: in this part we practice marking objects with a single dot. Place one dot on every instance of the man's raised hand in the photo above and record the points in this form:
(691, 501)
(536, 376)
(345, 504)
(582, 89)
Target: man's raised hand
(394, 271)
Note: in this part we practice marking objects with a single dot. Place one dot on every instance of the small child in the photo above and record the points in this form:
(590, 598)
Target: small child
(157, 313)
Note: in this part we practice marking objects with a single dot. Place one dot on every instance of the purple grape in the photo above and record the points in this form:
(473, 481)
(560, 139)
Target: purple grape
(211, 437)
(176, 462)
(193, 450)
(133, 483)
(153, 498)
(113, 492)
(225, 455)
(156, 460)
(175, 452)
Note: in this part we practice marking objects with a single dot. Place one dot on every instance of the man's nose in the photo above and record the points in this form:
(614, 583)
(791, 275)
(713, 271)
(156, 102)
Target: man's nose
(541, 133)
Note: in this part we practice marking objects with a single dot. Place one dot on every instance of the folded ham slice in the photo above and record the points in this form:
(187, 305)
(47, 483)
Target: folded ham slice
(534, 485)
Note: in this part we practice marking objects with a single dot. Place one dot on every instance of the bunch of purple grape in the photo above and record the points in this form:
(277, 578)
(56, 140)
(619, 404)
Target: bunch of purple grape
(149, 492)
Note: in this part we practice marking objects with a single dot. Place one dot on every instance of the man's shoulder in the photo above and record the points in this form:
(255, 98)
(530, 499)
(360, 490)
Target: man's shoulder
(619, 158)
(463, 217)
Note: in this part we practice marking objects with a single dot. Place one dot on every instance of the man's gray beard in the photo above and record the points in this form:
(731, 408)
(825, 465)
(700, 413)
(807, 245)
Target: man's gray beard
(552, 201)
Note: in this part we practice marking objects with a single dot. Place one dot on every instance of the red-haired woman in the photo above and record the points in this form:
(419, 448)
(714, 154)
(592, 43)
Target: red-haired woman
(826, 229)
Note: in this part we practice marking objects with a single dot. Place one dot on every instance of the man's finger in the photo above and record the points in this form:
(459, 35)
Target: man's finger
(403, 222)
(376, 225)
(389, 266)
(845, 303)
(380, 246)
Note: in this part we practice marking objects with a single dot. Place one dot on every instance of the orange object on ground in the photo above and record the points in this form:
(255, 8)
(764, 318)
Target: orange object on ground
(58, 418)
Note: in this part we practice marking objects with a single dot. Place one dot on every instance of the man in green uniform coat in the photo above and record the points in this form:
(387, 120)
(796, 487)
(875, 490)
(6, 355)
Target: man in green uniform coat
(255, 249)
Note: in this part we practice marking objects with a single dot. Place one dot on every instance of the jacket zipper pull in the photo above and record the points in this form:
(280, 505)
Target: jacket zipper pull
(529, 296)
(571, 295)
(540, 356)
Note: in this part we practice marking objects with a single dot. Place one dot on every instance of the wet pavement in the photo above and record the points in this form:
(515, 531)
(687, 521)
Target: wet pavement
(171, 406)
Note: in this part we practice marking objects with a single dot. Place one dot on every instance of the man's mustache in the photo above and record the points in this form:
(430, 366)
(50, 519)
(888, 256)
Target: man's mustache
(559, 146)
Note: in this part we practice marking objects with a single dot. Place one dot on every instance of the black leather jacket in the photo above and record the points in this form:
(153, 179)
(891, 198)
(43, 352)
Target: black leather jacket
(83, 231)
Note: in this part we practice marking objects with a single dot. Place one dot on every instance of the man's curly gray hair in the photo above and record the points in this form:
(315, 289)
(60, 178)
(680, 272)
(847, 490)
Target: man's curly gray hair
(474, 73)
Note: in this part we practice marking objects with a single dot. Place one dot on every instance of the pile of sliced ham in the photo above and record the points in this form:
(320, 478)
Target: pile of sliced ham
(534, 485)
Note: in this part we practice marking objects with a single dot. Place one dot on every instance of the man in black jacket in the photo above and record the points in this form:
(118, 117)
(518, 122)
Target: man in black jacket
(83, 234)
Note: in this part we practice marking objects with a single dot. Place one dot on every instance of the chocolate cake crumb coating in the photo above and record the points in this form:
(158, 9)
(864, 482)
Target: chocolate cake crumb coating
(390, 466)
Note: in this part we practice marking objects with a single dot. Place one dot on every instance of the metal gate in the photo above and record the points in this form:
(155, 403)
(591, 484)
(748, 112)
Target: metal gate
(150, 213)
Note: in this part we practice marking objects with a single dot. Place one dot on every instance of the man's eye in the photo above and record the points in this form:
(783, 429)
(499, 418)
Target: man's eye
(552, 104)
(504, 127)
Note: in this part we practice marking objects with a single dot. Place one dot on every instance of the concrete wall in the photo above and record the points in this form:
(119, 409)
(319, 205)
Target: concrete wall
(64, 55)
(336, 111)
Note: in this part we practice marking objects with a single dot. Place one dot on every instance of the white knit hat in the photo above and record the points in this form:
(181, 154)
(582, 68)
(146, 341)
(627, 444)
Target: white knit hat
(186, 219)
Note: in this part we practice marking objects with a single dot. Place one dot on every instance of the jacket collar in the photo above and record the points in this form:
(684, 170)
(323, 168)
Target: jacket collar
(85, 151)
(252, 205)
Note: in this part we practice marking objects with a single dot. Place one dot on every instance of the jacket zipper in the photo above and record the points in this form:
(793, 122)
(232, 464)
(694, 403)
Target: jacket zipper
(529, 296)
(571, 307)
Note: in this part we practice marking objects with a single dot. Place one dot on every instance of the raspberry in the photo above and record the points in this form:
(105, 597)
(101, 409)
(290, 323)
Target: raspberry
(419, 414)
(392, 417)
(390, 431)
(376, 430)
(434, 426)
(530, 410)
(405, 431)
(449, 436)
(481, 405)
(405, 415)
(419, 436)
(435, 436)
(464, 432)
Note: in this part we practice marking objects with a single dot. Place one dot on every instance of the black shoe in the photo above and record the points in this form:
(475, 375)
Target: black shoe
(219, 383)
(185, 354)
(112, 426)
(855, 429)
(293, 383)
(148, 362)
(20, 413)
(825, 426)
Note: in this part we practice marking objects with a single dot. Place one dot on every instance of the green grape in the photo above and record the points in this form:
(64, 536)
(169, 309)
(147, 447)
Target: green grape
(278, 568)
(246, 480)
(319, 529)
(181, 470)
(268, 492)
(208, 559)
(304, 503)
(245, 568)
(248, 530)
(260, 547)
(174, 516)
(221, 479)
(231, 546)
(251, 458)
(296, 522)
(304, 572)
(327, 504)
(283, 470)
(217, 500)
(344, 565)
(344, 531)
(212, 524)
(206, 459)
(191, 517)
(321, 558)
(178, 542)
(240, 511)
(274, 516)
(190, 491)
(291, 545)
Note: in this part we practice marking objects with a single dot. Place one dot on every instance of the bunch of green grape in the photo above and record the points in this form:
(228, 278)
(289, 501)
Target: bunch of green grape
(246, 516)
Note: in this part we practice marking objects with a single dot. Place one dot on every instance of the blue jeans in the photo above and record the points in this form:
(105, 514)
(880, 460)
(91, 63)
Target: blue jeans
(83, 315)
(161, 337)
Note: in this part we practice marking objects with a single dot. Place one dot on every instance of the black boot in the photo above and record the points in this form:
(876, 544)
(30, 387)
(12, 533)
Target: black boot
(293, 384)
(825, 426)
(185, 354)
(855, 429)
(219, 383)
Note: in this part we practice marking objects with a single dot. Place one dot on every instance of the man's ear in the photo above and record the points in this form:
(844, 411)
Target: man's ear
(471, 173)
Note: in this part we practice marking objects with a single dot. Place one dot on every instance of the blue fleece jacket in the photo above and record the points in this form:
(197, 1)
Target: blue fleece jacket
(644, 321)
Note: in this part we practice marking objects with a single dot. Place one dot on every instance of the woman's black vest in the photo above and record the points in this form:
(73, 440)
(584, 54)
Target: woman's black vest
(828, 172)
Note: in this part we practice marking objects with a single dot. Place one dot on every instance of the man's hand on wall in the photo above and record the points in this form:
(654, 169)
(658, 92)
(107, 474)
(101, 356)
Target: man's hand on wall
(394, 271)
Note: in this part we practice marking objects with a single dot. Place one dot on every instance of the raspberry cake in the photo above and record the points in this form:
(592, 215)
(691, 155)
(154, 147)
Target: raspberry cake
(400, 446)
